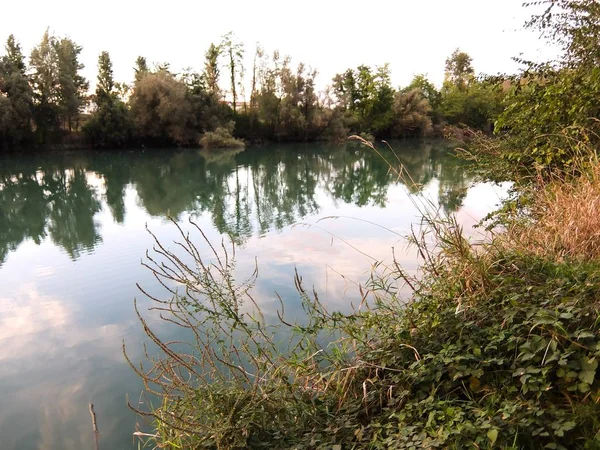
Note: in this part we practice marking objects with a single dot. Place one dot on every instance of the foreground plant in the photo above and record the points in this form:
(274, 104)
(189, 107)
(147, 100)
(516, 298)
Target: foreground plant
(497, 347)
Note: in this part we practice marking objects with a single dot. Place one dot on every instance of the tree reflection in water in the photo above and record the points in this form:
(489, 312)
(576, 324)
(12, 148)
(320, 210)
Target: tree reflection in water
(245, 193)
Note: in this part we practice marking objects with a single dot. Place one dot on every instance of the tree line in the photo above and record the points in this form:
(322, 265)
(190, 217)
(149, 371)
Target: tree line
(44, 101)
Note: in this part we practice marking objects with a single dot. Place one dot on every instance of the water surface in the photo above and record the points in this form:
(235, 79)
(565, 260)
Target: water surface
(72, 235)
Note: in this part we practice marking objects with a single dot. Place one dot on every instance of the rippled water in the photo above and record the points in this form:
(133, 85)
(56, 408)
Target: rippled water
(72, 236)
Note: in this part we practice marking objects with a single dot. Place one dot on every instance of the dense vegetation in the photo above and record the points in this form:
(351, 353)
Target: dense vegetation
(498, 344)
(552, 115)
(45, 102)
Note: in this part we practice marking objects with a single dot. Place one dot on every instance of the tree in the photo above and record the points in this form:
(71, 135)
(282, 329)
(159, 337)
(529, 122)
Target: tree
(366, 96)
(16, 97)
(466, 100)
(269, 96)
(459, 70)
(309, 102)
(110, 124)
(344, 86)
(161, 110)
(477, 107)
(45, 84)
(106, 83)
(574, 25)
(428, 90)
(365, 92)
(284, 103)
(258, 56)
(141, 68)
(72, 87)
(208, 111)
(234, 52)
(381, 112)
(211, 69)
(298, 101)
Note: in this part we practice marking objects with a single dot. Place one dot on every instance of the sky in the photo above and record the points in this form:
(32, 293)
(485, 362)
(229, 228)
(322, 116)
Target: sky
(413, 36)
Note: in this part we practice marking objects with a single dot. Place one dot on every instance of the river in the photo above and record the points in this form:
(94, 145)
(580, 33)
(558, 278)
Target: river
(73, 235)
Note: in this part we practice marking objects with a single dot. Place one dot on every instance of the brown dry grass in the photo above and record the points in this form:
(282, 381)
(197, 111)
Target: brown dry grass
(565, 217)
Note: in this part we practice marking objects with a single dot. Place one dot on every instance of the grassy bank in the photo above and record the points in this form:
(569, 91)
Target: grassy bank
(497, 348)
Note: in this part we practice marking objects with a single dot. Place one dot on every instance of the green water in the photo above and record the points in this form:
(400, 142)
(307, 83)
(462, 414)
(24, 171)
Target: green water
(72, 237)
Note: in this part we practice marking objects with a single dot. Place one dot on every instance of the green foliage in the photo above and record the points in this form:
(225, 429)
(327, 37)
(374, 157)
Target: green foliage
(207, 109)
(106, 83)
(141, 68)
(367, 97)
(475, 105)
(556, 100)
(466, 100)
(368, 102)
(59, 90)
(501, 360)
(109, 126)
(553, 104)
(284, 103)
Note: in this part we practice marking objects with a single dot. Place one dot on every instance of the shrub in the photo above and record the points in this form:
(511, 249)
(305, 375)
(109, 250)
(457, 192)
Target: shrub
(412, 115)
(563, 219)
(221, 138)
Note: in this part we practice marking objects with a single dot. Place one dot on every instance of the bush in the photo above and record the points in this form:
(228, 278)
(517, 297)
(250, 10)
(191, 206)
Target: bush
(221, 138)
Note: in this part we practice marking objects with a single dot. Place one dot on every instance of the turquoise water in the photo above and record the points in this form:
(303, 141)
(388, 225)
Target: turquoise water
(72, 238)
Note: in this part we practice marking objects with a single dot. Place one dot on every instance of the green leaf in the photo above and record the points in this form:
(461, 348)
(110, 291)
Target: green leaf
(589, 364)
(430, 418)
(527, 356)
(587, 376)
(492, 435)
(584, 334)
(518, 372)
(583, 387)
